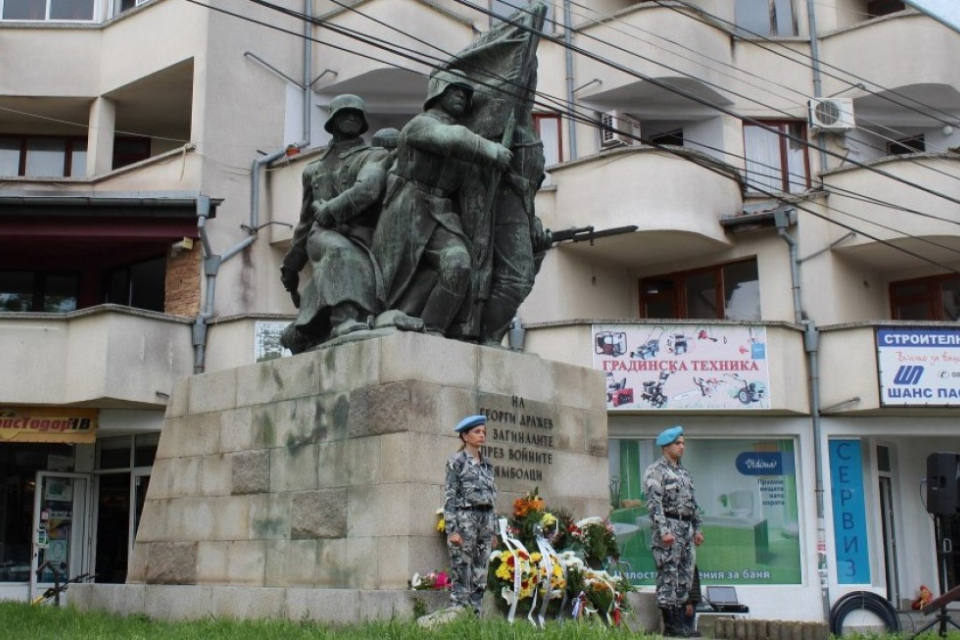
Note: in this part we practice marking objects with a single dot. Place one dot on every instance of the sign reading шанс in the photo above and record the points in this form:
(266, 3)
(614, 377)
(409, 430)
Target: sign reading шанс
(918, 367)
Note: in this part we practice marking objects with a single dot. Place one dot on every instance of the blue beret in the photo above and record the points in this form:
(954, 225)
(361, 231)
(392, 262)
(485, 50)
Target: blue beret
(669, 436)
(469, 423)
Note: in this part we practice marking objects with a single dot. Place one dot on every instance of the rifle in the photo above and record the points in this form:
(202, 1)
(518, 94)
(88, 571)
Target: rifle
(584, 234)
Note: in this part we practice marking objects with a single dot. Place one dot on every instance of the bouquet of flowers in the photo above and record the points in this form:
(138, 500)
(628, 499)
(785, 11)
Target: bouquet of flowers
(433, 581)
(552, 557)
(595, 536)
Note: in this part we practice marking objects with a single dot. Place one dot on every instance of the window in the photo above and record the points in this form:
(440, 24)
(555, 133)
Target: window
(130, 149)
(776, 159)
(765, 18)
(876, 8)
(730, 292)
(913, 144)
(933, 298)
(126, 5)
(752, 519)
(43, 156)
(36, 291)
(139, 285)
(74, 10)
(548, 128)
(62, 156)
(674, 138)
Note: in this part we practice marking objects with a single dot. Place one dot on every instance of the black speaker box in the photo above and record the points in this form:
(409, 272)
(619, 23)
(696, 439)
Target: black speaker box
(943, 472)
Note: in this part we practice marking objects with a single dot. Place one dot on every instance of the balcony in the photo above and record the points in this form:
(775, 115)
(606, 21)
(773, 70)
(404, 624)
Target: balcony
(690, 48)
(784, 381)
(388, 82)
(937, 172)
(104, 356)
(895, 52)
(849, 372)
(675, 203)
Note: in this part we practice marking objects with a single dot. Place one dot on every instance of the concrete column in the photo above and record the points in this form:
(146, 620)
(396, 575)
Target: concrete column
(103, 121)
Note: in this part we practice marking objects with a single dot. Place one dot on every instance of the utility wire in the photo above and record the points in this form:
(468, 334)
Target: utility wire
(766, 82)
(754, 36)
(726, 174)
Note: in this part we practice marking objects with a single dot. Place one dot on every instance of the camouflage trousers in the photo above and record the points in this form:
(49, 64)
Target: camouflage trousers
(675, 565)
(468, 561)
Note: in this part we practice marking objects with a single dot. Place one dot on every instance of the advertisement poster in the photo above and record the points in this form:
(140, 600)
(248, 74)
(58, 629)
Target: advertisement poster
(918, 367)
(683, 366)
(746, 493)
(266, 341)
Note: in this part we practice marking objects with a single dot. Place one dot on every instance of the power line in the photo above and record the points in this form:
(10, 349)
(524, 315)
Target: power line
(757, 36)
(759, 190)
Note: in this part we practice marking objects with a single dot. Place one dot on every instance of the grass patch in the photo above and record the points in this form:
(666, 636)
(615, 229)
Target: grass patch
(21, 621)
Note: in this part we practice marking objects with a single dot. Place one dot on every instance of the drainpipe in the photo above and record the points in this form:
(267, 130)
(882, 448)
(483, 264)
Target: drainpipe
(568, 46)
(781, 217)
(212, 261)
(811, 346)
(817, 84)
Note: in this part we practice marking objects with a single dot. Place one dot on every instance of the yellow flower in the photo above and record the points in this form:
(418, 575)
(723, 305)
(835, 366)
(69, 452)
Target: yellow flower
(442, 526)
(535, 557)
(548, 520)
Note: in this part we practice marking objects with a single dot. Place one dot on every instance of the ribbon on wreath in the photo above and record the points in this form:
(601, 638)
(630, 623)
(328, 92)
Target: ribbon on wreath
(514, 547)
(547, 555)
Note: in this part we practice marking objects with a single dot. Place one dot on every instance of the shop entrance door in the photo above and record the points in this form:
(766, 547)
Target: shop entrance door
(59, 528)
(888, 523)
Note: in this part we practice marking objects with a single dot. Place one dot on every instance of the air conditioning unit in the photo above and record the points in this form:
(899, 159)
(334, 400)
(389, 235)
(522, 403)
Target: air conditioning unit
(831, 114)
(618, 129)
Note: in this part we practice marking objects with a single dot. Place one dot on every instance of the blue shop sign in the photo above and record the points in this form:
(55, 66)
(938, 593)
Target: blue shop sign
(763, 463)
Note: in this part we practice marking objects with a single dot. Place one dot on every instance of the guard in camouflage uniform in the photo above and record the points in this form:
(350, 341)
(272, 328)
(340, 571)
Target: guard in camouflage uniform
(469, 495)
(675, 531)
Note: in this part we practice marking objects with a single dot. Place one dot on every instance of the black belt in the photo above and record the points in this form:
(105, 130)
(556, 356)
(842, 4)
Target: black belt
(673, 515)
(477, 507)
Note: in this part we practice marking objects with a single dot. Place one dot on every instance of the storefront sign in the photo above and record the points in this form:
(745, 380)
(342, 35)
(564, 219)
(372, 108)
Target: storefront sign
(849, 512)
(919, 367)
(48, 424)
(705, 367)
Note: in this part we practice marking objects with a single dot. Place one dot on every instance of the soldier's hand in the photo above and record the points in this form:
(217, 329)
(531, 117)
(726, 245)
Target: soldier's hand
(698, 538)
(291, 282)
(667, 539)
(503, 159)
(539, 238)
(455, 539)
(321, 215)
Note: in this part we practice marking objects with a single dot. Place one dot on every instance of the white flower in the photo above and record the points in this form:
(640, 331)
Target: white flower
(592, 520)
(416, 580)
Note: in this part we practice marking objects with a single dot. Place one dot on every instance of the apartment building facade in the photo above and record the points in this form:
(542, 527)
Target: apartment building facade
(790, 280)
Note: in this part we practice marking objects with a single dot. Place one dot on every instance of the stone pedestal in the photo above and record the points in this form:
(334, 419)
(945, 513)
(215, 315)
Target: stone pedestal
(325, 470)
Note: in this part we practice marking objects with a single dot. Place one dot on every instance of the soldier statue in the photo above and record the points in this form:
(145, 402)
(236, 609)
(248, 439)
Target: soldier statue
(342, 191)
(425, 257)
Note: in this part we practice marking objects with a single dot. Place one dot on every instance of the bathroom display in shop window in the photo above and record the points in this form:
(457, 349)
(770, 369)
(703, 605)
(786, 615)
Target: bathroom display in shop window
(747, 495)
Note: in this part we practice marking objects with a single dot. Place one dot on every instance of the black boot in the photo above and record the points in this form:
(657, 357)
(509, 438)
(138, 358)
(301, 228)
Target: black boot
(673, 622)
(689, 624)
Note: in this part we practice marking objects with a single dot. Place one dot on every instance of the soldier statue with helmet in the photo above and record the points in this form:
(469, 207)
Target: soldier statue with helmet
(425, 257)
(342, 192)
